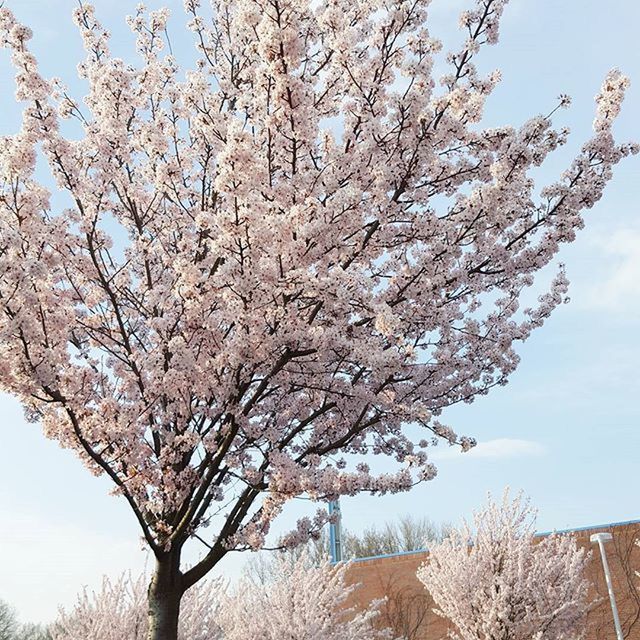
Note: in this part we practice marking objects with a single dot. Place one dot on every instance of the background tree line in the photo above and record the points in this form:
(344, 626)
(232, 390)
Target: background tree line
(12, 629)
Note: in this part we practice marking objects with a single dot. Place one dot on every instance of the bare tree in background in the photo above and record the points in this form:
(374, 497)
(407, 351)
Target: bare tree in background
(11, 629)
(30, 631)
(406, 609)
(406, 534)
(8, 621)
(624, 558)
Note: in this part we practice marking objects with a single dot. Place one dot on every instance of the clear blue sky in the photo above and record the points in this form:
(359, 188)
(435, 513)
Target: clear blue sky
(566, 427)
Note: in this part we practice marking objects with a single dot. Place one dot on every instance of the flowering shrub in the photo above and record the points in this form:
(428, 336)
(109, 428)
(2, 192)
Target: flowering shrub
(302, 602)
(118, 611)
(494, 581)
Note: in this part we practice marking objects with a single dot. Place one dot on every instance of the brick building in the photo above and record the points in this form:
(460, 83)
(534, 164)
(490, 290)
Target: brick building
(408, 609)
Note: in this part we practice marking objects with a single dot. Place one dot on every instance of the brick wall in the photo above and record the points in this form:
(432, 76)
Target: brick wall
(408, 609)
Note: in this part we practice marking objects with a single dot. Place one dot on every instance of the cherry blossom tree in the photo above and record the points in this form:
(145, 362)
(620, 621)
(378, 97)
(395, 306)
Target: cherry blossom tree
(303, 600)
(118, 611)
(495, 581)
(274, 262)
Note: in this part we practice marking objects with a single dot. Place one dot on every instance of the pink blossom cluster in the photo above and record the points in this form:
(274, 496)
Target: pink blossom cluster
(494, 581)
(275, 262)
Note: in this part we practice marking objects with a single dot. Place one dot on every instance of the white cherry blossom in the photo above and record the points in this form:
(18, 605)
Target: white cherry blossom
(273, 261)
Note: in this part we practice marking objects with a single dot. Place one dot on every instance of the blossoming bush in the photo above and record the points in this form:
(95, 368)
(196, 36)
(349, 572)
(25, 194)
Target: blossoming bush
(494, 581)
(302, 602)
(118, 611)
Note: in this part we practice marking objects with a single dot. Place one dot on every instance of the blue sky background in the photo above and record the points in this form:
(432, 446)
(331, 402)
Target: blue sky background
(565, 430)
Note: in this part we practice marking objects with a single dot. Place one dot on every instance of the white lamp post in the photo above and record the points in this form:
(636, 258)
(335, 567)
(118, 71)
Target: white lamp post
(601, 538)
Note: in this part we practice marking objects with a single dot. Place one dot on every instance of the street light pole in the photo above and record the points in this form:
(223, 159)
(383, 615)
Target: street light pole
(601, 538)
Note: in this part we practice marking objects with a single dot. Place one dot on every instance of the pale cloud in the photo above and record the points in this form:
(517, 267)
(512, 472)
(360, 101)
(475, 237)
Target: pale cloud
(619, 289)
(496, 449)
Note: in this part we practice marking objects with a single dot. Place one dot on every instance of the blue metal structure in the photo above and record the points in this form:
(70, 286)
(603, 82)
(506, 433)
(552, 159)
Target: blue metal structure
(335, 534)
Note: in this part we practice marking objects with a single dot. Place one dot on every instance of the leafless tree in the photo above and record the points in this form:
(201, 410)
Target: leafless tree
(624, 559)
(11, 629)
(8, 622)
(30, 631)
(406, 608)
(406, 534)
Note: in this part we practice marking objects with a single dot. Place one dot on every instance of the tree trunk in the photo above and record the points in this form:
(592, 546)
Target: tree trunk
(165, 592)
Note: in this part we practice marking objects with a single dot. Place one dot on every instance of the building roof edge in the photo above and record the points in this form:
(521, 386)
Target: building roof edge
(610, 525)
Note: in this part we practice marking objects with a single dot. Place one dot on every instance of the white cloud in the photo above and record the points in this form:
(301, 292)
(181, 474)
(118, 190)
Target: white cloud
(497, 449)
(620, 288)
